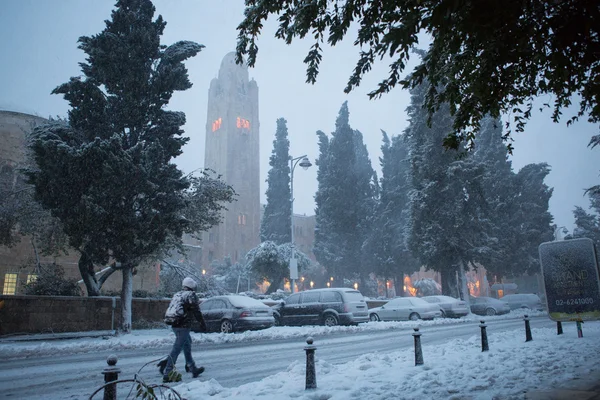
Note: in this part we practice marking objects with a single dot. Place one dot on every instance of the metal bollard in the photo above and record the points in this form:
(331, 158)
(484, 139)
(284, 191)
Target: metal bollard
(484, 339)
(559, 330)
(311, 374)
(528, 337)
(418, 350)
(111, 374)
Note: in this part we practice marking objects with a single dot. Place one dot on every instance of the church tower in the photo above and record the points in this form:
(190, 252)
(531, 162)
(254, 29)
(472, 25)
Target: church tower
(232, 151)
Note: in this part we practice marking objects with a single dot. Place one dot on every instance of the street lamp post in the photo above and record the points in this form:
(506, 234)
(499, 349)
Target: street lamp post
(304, 163)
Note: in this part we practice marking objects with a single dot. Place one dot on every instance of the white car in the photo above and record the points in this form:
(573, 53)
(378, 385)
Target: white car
(451, 307)
(405, 308)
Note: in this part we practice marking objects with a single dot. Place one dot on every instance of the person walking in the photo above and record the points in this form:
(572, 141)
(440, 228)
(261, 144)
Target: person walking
(183, 307)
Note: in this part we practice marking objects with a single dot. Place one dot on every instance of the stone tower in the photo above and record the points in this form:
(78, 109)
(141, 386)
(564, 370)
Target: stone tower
(232, 151)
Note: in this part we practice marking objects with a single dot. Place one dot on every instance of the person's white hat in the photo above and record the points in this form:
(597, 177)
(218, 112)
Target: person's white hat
(189, 283)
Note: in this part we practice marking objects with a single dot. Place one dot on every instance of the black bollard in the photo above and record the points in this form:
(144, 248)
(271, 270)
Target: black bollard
(484, 340)
(528, 337)
(111, 374)
(418, 350)
(559, 328)
(311, 374)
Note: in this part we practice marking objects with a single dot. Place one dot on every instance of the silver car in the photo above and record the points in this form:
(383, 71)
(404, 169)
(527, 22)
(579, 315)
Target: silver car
(488, 306)
(451, 307)
(405, 308)
(523, 300)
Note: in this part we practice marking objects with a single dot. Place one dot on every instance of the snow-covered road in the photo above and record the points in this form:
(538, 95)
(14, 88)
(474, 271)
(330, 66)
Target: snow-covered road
(75, 376)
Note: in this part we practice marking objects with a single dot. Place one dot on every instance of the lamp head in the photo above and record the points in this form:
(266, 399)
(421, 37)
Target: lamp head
(305, 163)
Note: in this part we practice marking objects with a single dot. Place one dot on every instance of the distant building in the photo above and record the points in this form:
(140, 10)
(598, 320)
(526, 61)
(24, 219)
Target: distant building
(232, 151)
(17, 263)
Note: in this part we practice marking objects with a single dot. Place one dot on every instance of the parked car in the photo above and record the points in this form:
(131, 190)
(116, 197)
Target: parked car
(523, 300)
(405, 308)
(235, 313)
(451, 307)
(488, 306)
(329, 307)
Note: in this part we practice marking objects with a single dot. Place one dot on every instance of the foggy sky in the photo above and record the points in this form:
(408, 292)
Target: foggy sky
(38, 43)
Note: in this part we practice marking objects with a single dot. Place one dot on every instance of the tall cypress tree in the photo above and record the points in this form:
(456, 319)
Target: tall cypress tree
(446, 231)
(390, 257)
(276, 222)
(345, 200)
(516, 206)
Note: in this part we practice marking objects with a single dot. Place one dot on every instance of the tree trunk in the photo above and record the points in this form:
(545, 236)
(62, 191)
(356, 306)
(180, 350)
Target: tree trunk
(126, 295)
(274, 285)
(399, 285)
(86, 269)
(463, 285)
(448, 277)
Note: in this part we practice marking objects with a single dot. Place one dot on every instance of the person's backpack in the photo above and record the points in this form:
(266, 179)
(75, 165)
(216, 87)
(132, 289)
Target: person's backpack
(175, 313)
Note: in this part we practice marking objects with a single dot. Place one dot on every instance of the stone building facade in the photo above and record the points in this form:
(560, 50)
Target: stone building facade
(17, 263)
(232, 151)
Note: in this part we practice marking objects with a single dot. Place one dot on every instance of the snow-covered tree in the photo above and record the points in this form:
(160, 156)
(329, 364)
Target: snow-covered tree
(386, 243)
(276, 223)
(516, 206)
(446, 229)
(271, 262)
(427, 287)
(588, 224)
(108, 174)
(345, 199)
(22, 216)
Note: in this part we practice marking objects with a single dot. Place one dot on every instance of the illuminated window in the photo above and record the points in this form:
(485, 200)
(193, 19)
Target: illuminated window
(242, 123)
(31, 278)
(10, 284)
(216, 125)
(242, 219)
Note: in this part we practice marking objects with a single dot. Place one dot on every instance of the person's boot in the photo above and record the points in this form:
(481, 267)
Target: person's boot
(196, 371)
(162, 364)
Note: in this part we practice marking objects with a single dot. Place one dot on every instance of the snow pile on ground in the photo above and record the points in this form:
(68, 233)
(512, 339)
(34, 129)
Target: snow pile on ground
(458, 370)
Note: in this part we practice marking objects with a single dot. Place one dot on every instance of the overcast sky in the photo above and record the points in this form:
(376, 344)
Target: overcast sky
(38, 43)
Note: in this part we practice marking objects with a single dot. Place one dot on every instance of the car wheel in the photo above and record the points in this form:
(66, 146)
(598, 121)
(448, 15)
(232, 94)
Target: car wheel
(490, 311)
(277, 320)
(414, 316)
(443, 314)
(374, 317)
(226, 326)
(330, 320)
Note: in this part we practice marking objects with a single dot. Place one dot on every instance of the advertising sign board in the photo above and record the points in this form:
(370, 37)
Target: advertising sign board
(571, 279)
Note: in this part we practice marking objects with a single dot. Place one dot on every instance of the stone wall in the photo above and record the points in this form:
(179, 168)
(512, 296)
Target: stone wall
(54, 314)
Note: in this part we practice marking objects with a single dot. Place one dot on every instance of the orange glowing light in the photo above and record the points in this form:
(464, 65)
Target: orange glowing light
(408, 287)
(216, 125)
(474, 289)
(242, 123)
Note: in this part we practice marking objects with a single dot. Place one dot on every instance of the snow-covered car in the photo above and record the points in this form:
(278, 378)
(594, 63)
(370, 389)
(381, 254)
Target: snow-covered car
(405, 308)
(329, 307)
(523, 300)
(451, 307)
(488, 306)
(235, 313)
